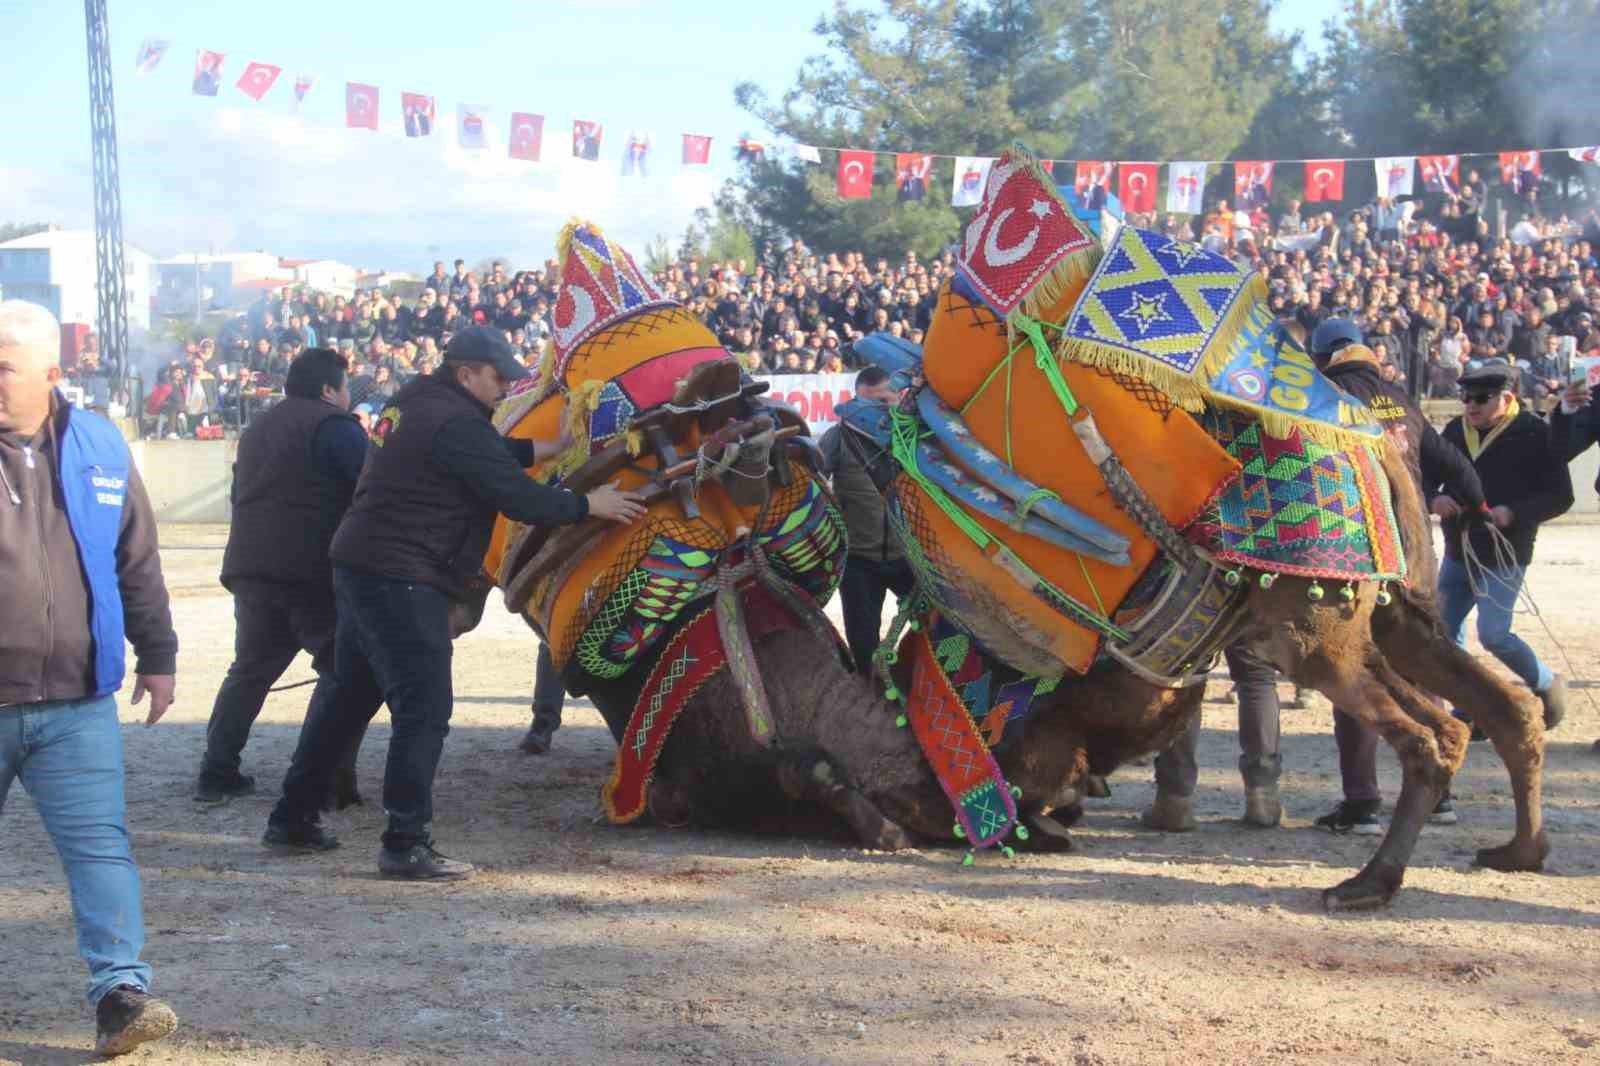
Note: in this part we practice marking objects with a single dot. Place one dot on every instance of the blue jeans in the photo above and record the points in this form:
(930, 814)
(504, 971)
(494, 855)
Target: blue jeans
(391, 645)
(69, 757)
(1456, 601)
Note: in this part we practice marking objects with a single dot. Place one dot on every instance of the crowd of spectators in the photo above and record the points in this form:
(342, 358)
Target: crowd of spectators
(1428, 281)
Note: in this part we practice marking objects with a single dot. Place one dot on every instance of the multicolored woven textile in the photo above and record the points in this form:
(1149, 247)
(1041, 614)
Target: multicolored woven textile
(600, 284)
(994, 694)
(953, 745)
(690, 659)
(1302, 508)
(669, 576)
(1189, 322)
(1024, 245)
(806, 542)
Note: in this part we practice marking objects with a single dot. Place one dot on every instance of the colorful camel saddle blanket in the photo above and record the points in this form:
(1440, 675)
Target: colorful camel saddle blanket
(961, 704)
(691, 658)
(1301, 507)
(1192, 324)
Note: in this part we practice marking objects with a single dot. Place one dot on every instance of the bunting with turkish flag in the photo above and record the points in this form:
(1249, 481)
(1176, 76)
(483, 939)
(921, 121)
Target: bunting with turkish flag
(855, 175)
(1252, 183)
(208, 72)
(1093, 182)
(586, 139)
(1441, 174)
(1519, 168)
(911, 175)
(696, 150)
(360, 106)
(1324, 180)
(257, 80)
(1396, 175)
(1185, 183)
(420, 114)
(1589, 154)
(966, 187)
(472, 127)
(150, 54)
(302, 85)
(1137, 187)
(527, 136)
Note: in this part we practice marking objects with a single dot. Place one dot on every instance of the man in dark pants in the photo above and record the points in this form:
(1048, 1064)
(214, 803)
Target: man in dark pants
(297, 469)
(1260, 764)
(1574, 425)
(548, 696)
(1337, 348)
(413, 539)
(861, 469)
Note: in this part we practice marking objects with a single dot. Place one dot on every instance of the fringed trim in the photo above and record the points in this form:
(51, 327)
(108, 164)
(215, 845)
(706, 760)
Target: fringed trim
(565, 237)
(514, 409)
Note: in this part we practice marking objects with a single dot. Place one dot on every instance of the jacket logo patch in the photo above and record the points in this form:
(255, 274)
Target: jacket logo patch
(388, 422)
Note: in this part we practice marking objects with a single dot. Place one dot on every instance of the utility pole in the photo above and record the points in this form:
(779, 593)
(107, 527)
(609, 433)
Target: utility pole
(112, 318)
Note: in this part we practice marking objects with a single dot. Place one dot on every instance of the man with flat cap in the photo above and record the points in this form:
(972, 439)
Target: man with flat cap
(411, 542)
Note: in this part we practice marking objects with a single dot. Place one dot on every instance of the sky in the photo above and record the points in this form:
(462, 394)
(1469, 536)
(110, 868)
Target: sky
(230, 174)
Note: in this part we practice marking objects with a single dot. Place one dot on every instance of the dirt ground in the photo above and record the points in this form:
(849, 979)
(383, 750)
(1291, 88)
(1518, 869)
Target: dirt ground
(582, 943)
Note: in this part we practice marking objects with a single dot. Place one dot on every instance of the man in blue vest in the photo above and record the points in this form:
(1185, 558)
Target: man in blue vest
(80, 567)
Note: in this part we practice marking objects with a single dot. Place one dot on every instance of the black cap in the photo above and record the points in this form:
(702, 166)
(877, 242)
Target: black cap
(1495, 373)
(482, 344)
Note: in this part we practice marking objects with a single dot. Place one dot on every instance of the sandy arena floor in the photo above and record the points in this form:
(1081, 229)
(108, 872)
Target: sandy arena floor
(581, 943)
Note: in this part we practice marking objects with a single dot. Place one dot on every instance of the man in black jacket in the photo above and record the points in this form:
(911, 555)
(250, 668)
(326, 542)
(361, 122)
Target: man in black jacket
(297, 469)
(1337, 349)
(1574, 425)
(1527, 484)
(412, 541)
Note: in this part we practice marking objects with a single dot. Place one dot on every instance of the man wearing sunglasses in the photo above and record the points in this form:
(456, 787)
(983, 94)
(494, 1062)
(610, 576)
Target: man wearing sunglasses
(1574, 425)
(1527, 484)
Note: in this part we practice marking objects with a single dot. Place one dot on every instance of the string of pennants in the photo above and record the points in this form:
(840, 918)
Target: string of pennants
(1135, 184)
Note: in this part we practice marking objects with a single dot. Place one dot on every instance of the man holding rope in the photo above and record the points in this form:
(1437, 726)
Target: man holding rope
(1574, 425)
(1526, 483)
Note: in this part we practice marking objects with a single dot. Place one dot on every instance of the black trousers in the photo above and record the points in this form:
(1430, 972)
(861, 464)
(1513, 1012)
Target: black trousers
(267, 634)
(548, 693)
(392, 646)
(861, 592)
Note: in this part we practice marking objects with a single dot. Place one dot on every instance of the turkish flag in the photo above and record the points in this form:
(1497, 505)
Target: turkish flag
(527, 135)
(1514, 164)
(1137, 187)
(257, 79)
(360, 106)
(1441, 174)
(1019, 234)
(696, 150)
(1093, 182)
(855, 175)
(1324, 180)
(1252, 183)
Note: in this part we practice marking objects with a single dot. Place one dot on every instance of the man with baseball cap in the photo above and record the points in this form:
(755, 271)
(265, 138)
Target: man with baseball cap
(408, 548)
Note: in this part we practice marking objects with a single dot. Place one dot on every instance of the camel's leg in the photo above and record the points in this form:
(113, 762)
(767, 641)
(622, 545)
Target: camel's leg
(1430, 745)
(1048, 832)
(1511, 716)
(812, 778)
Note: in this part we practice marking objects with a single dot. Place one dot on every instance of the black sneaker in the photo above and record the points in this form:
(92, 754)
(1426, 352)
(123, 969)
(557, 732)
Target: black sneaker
(306, 836)
(210, 788)
(126, 1017)
(1444, 813)
(1359, 817)
(1554, 699)
(421, 862)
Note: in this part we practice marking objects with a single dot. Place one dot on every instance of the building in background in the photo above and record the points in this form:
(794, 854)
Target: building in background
(56, 269)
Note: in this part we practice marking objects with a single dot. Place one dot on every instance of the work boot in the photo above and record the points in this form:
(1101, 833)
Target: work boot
(540, 733)
(421, 862)
(126, 1017)
(304, 836)
(1169, 813)
(1554, 699)
(1262, 807)
(213, 788)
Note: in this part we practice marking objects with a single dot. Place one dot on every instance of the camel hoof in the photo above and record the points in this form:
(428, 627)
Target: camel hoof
(1046, 833)
(1516, 857)
(889, 837)
(1360, 893)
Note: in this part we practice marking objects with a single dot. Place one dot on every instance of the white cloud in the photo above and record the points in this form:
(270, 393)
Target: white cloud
(253, 178)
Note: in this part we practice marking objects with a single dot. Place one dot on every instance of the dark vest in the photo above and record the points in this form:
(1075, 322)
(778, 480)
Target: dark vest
(411, 519)
(286, 506)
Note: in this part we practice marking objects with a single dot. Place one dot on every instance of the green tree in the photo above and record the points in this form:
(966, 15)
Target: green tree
(1102, 79)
